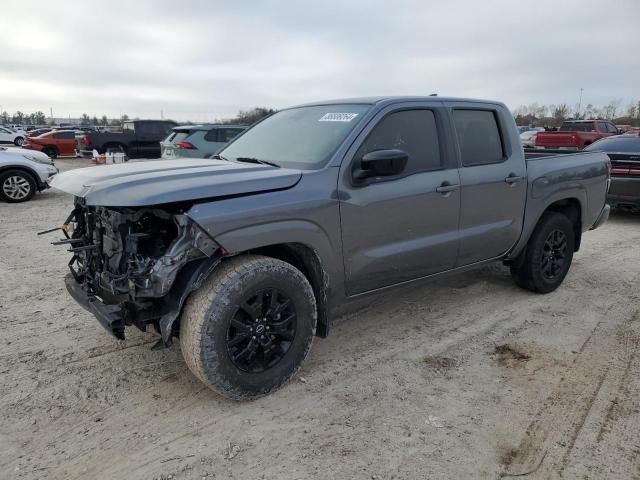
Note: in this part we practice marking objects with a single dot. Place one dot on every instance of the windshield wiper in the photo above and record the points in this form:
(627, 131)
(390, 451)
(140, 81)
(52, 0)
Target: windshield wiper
(257, 160)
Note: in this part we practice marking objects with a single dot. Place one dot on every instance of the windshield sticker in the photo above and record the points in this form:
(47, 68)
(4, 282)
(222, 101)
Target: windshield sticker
(338, 117)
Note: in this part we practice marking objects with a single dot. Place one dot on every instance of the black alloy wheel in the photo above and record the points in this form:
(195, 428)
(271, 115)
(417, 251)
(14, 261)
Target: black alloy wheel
(261, 330)
(554, 254)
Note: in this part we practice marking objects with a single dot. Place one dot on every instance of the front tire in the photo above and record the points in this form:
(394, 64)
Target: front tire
(247, 330)
(17, 186)
(548, 255)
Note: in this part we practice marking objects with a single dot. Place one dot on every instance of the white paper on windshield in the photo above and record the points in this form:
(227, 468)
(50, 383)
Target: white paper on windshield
(338, 117)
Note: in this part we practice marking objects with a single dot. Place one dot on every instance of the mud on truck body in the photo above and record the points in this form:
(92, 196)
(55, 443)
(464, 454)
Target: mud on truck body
(246, 257)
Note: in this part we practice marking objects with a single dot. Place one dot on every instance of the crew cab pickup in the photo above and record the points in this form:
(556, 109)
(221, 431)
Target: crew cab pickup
(139, 138)
(248, 256)
(576, 134)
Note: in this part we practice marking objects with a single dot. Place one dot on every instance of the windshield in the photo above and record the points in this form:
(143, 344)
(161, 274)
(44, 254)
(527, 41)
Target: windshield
(616, 145)
(303, 137)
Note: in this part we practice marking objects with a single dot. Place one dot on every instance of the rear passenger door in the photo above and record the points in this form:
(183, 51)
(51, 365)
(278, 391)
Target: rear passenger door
(492, 178)
(66, 142)
(400, 228)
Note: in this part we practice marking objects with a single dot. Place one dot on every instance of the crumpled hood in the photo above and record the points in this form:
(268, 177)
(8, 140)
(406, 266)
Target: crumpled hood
(156, 182)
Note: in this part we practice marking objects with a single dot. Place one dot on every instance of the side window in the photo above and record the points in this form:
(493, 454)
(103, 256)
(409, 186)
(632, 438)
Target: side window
(211, 135)
(478, 137)
(611, 128)
(413, 131)
(66, 135)
(227, 134)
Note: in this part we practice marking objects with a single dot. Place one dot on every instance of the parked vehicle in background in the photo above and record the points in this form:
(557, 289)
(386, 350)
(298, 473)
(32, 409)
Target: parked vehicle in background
(634, 131)
(54, 143)
(523, 128)
(198, 141)
(310, 209)
(624, 128)
(139, 138)
(528, 138)
(16, 128)
(23, 173)
(8, 135)
(576, 134)
(38, 131)
(624, 153)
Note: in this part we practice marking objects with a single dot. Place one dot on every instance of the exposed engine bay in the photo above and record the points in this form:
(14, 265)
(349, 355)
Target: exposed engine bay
(136, 265)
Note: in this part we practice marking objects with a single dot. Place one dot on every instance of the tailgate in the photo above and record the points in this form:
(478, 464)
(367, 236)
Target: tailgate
(625, 175)
(557, 139)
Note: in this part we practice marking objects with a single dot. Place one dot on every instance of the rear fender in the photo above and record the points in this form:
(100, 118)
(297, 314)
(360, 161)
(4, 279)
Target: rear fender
(534, 211)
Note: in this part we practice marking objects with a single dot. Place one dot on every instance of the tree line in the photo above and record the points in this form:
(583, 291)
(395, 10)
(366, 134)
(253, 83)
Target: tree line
(244, 117)
(541, 115)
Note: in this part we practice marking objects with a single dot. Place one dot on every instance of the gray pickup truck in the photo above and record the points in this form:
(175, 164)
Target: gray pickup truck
(247, 257)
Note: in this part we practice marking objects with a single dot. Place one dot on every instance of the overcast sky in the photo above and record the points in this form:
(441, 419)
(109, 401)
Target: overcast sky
(201, 60)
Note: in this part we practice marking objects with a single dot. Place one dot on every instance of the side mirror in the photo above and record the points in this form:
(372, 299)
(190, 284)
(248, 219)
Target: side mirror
(381, 163)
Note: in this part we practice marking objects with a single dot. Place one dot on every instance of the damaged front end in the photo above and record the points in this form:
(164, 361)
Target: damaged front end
(136, 266)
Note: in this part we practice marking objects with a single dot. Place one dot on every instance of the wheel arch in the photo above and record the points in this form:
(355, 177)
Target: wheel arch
(571, 206)
(307, 260)
(108, 145)
(572, 209)
(31, 172)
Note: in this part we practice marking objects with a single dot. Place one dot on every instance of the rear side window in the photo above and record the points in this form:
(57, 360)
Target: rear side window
(211, 135)
(65, 135)
(478, 137)
(180, 137)
(413, 131)
(228, 134)
(577, 127)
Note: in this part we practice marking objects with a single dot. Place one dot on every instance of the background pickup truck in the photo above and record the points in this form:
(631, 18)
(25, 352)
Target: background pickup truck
(139, 138)
(576, 134)
(245, 258)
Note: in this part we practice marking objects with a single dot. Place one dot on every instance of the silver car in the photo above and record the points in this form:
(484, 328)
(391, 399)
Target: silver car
(198, 141)
(22, 173)
(528, 138)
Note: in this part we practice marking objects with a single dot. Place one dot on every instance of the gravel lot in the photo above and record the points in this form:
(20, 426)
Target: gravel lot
(469, 377)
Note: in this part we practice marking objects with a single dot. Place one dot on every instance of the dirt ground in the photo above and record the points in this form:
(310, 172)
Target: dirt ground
(469, 377)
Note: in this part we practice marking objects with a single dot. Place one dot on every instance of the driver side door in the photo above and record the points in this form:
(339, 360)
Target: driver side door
(399, 228)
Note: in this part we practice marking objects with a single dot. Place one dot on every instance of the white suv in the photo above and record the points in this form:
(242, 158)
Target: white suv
(8, 135)
(22, 173)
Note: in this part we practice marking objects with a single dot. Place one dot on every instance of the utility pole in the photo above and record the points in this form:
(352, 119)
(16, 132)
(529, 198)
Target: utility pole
(580, 102)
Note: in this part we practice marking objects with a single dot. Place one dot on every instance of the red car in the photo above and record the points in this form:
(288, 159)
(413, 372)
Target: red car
(58, 142)
(576, 134)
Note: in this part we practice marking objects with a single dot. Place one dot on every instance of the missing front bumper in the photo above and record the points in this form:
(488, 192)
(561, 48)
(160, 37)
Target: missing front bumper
(109, 316)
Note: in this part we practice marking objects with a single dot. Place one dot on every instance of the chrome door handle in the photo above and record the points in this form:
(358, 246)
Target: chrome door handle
(513, 179)
(446, 188)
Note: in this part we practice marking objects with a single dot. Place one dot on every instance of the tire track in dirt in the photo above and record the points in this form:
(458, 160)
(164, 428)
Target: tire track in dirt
(549, 440)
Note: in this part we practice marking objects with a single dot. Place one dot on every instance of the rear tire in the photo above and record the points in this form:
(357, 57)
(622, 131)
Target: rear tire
(18, 141)
(17, 186)
(247, 330)
(545, 262)
(51, 152)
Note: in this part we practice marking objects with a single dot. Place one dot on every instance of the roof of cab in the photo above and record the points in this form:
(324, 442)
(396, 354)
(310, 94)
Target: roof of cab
(397, 99)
